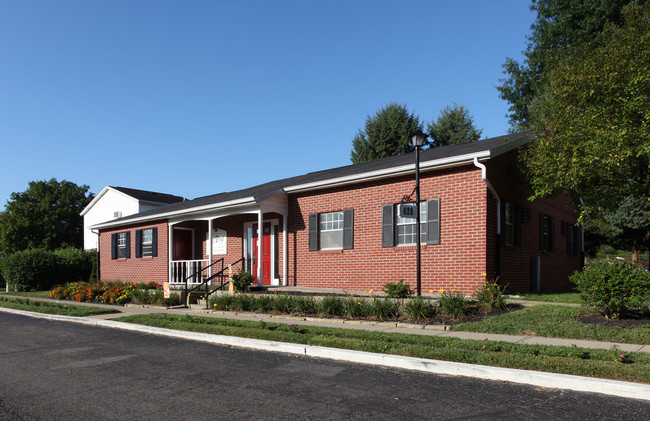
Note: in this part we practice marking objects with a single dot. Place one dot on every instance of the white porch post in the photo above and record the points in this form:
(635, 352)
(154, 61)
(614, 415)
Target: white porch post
(170, 241)
(260, 233)
(285, 260)
(210, 246)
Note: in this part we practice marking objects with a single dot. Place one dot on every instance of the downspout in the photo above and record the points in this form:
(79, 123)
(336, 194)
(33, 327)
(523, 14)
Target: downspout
(97, 258)
(498, 199)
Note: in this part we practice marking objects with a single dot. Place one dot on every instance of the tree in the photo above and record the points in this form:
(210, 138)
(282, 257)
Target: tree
(455, 125)
(559, 30)
(592, 121)
(387, 133)
(46, 215)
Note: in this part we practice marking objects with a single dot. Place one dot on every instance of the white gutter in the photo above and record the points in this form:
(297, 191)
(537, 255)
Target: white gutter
(166, 215)
(494, 192)
(389, 172)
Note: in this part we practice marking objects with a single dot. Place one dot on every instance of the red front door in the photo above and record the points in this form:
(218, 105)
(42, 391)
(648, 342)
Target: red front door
(266, 253)
(182, 245)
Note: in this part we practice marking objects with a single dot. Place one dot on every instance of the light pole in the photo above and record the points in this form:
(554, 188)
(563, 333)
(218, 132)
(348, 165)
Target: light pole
(418, 140)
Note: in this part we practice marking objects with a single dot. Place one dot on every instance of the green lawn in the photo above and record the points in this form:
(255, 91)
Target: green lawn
(33, 294)
(53, 308)
(568, 360)
(557, 296)
(557, 322)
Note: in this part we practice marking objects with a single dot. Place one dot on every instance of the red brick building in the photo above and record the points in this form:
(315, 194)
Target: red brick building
(341, 228)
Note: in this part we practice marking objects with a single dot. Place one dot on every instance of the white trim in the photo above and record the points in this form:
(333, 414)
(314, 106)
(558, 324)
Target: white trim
(390, 172)
(183, 212)
(260, 235)
(285, 247)
(275, 277)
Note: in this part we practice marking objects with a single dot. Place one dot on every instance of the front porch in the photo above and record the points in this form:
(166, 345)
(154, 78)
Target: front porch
(228, 242)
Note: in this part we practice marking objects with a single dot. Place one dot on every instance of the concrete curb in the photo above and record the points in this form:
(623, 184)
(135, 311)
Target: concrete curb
(529, 377)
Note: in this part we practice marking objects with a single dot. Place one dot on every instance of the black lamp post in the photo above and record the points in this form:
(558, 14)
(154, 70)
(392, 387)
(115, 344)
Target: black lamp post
(418, 140)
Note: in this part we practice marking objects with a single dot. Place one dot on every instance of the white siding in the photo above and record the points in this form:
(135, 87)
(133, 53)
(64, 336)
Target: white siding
(111, 202)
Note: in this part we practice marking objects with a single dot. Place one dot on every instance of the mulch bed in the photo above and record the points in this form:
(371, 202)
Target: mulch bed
(631, 321)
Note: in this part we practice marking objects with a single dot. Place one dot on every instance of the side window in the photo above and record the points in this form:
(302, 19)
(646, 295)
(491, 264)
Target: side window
(546, 232)
(121, 245)
(331, 230)
(146, 242)
(402, 231)
(511, 218)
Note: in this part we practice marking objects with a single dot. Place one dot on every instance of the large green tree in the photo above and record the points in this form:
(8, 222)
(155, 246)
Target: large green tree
(454, 125)
(46, 215)
(559, 30)
(386, 133)
(592, 121)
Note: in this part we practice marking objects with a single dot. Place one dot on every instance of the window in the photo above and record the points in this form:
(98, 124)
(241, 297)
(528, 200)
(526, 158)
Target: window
(405, 227)
(511, 218)
(572, 240)
(331, 230)
(546, 232)
(121, 245)
(396, 230)
(146, 242)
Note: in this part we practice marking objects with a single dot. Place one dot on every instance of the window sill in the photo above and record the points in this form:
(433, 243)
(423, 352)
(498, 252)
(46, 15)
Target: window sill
(410, 247)
(331, 251)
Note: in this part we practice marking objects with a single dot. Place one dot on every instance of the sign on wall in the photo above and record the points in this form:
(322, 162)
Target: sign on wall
(408, 210)
(219, 241)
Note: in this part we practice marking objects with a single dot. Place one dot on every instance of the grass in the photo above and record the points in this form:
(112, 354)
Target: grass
(568, 360)
(53, 308)
(557, 322)
(33, 294)
(554, 296)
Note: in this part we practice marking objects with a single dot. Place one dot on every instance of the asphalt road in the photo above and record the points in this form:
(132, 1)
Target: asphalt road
(54, 370)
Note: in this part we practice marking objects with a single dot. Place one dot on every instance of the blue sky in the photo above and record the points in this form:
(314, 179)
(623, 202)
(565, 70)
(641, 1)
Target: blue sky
(199, 97)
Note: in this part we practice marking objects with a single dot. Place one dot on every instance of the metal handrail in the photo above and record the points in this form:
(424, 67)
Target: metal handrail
(205, 282)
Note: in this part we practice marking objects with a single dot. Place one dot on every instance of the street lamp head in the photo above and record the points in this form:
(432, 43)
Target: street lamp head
(418, 139)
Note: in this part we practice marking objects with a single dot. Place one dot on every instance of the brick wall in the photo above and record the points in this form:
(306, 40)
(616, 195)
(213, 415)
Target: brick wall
(459, 259)
(144, 269)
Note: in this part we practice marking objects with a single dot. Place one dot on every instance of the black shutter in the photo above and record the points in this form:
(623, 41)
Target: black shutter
(138, 243)
(519, 215)
(313, 232)
(128, 245)
(348, 229)
(541, 231)
(113, 246)
(154, 242)
(433, 221)
(551, 233)
(387, 227)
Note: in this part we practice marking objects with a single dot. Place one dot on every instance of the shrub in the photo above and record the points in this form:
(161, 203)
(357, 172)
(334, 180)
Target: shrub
(453, 304)
(305, 305)
(75, 265)
(384, 308)
(397, 290)
(283, 303)
(224, 302)
(242, 281)
(244, 302)
(331, 306)
(355, 307)
(490, 296)
(264, 303)
(30, 270)
(612, 287)
(418, 309)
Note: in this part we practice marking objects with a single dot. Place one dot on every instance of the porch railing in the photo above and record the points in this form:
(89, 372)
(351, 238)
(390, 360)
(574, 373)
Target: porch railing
(192, 270)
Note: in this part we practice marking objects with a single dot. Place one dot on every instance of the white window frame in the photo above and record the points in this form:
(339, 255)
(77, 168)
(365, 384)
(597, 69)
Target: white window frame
(405, 222)
(121, 245)
(147, 245)
(509, 231)
(333, 222)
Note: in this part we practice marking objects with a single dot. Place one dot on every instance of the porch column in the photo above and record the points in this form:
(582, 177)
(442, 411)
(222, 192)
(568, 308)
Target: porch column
(210, 246)
(260, 233)
(170, 244)
(285, 260)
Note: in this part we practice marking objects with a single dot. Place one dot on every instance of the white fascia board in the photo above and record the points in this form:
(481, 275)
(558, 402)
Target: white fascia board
(95, 200)
(391, 172)
(183, 212)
